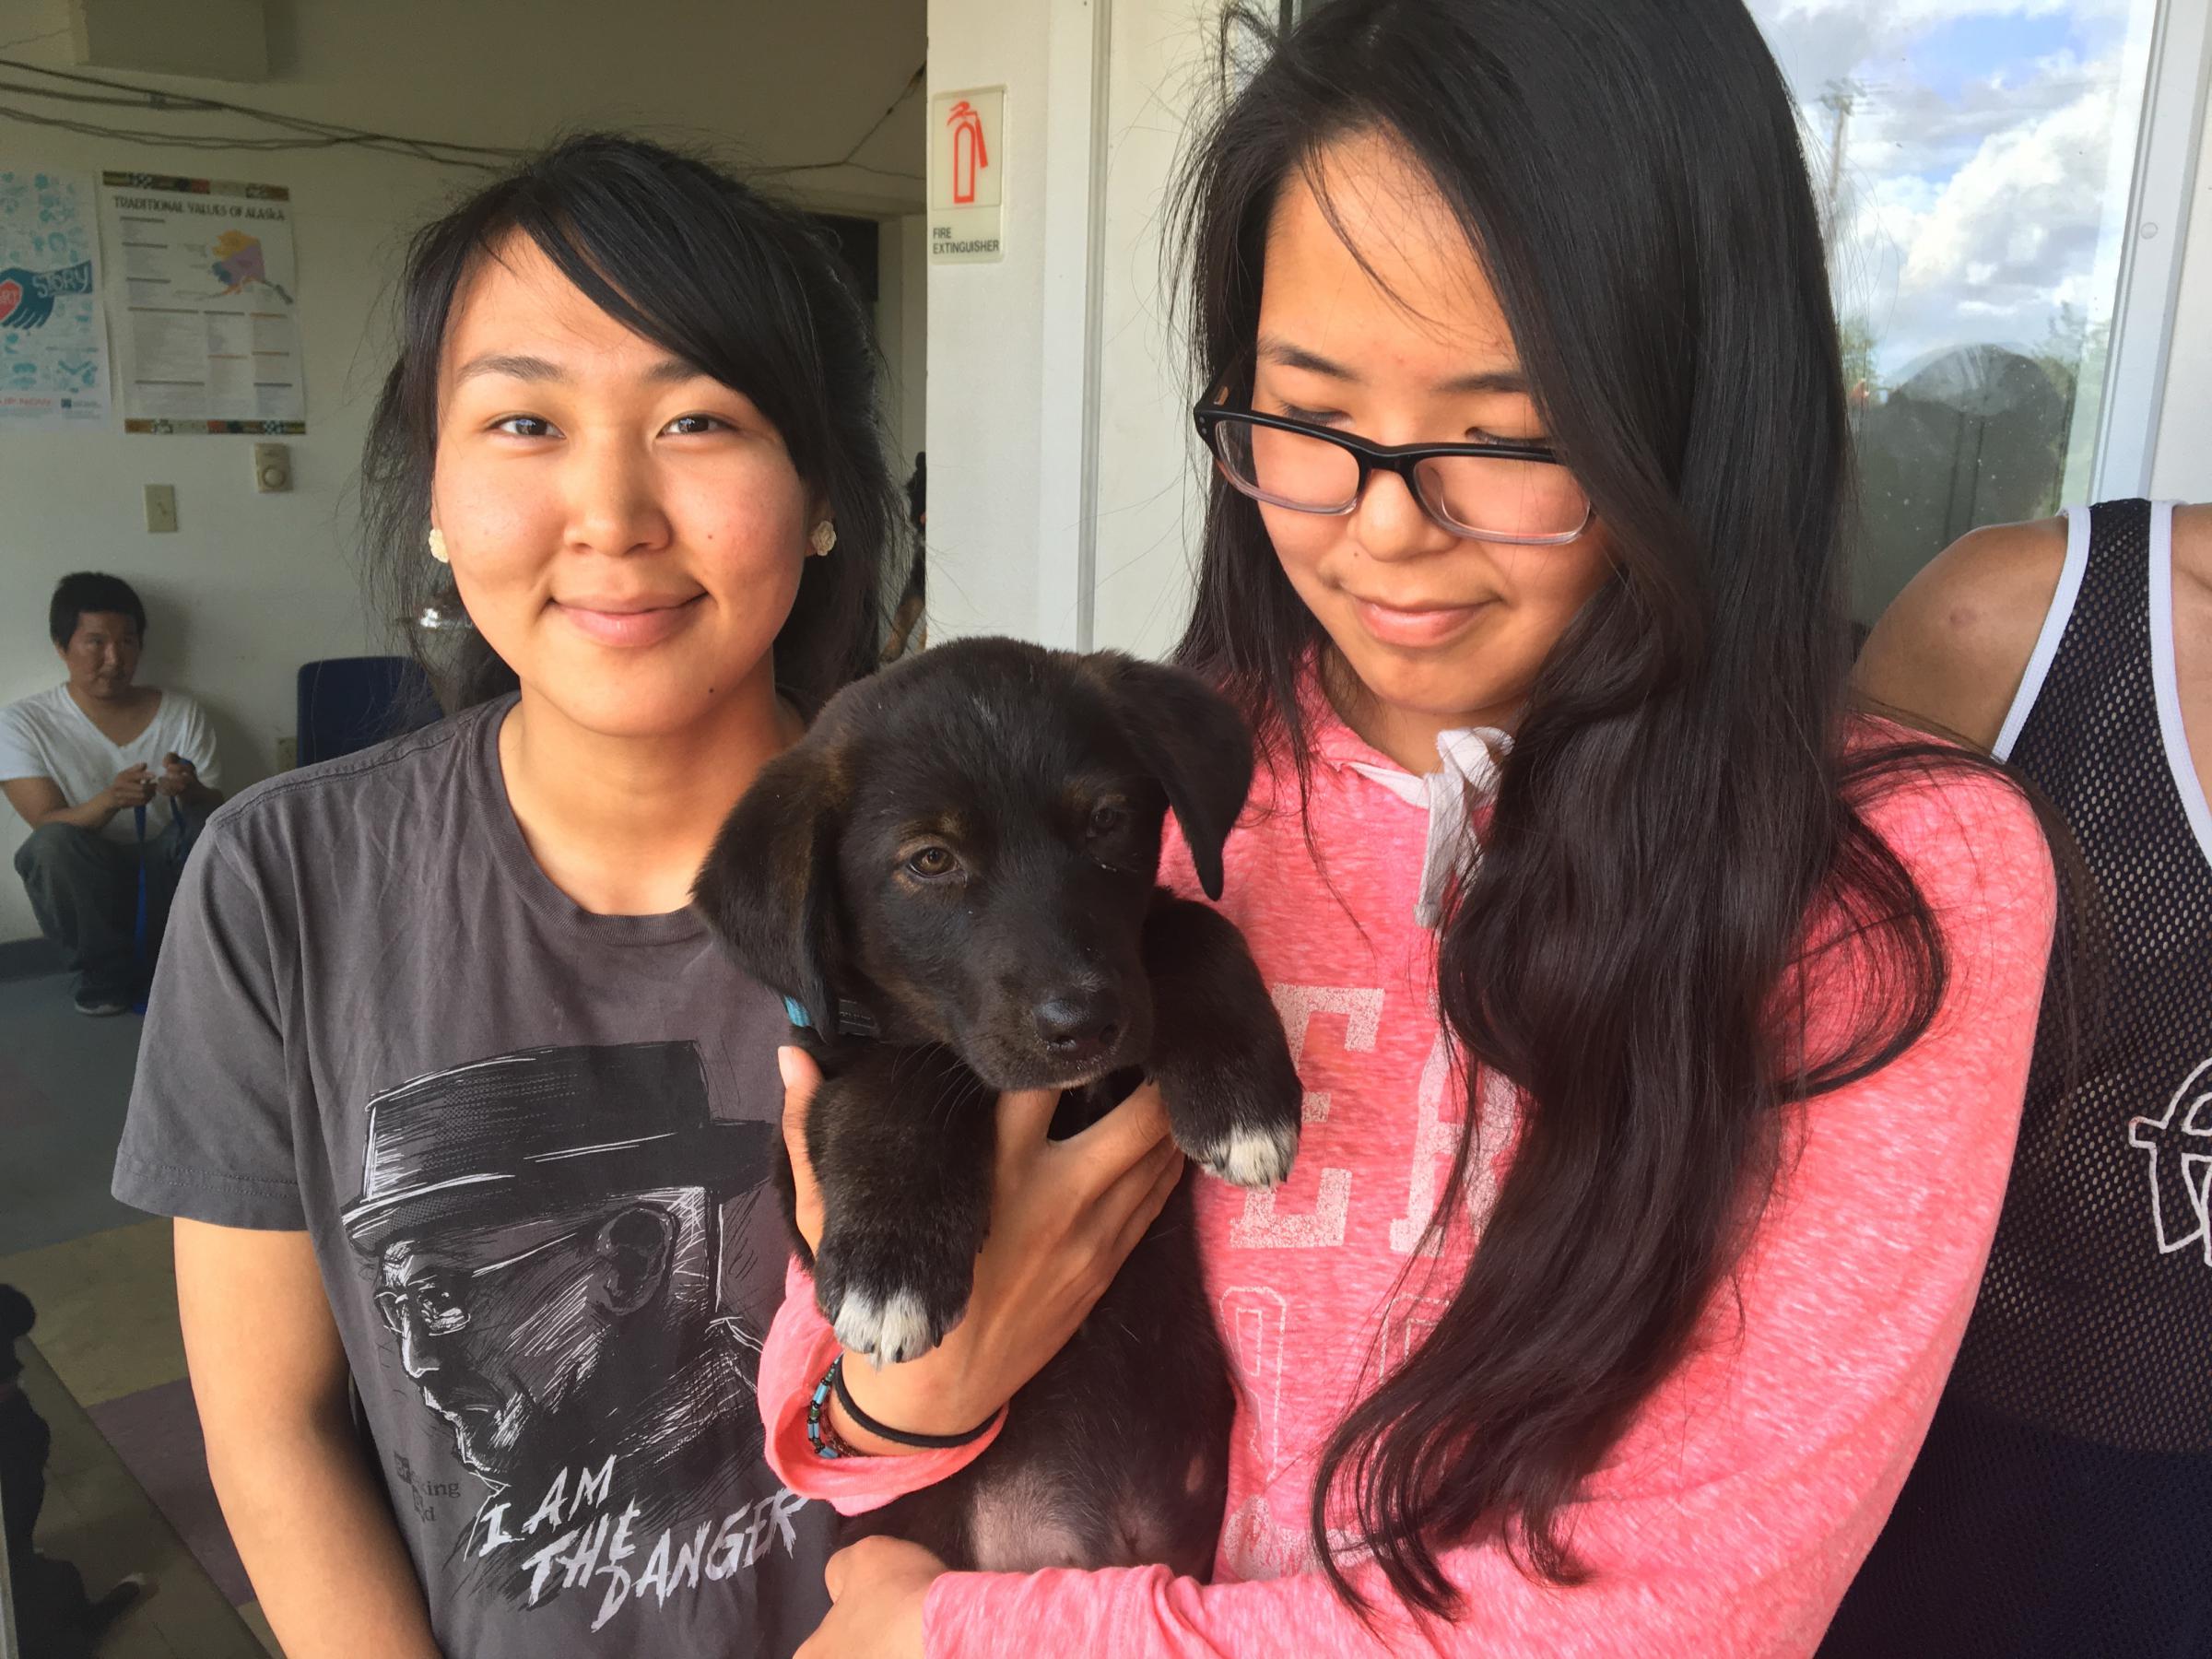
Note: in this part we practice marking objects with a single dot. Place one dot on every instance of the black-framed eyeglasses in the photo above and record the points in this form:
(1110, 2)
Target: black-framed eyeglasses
(1503, 490)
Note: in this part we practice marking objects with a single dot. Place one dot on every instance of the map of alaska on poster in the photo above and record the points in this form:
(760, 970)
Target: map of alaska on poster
(203, 291)
(53, 351)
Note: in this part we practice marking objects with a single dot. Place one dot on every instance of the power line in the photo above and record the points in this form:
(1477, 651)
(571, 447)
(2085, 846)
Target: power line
(36, 39)
(905, 92)
(157, 98)
(411, 148)
(310, 133)
(212, 142)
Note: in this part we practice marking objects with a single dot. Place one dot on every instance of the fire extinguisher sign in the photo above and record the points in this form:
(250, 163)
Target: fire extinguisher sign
(967, 154)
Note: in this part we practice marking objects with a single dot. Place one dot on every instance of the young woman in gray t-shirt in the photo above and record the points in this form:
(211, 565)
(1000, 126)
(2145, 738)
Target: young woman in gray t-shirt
(452, 1095)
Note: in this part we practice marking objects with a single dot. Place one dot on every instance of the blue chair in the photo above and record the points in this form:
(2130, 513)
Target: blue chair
(352, 703)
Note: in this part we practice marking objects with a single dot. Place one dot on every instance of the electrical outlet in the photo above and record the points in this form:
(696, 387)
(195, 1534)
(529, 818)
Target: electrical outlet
(288, 753)
(160, 508)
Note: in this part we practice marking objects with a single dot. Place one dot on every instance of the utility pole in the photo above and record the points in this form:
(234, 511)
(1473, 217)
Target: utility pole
(1839, 98)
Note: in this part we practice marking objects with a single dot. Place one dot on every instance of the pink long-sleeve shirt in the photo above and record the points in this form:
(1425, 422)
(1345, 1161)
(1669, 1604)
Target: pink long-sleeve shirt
(1732, 1515)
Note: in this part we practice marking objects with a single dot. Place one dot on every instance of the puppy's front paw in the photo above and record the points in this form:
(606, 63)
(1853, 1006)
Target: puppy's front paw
(1250, 1155)
(1237, 1111)
(896, 1329)
(883, 1300)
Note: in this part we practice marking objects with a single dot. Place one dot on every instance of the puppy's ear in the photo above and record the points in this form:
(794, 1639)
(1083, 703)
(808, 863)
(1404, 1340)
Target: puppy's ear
(769, 888)
(1193, 740)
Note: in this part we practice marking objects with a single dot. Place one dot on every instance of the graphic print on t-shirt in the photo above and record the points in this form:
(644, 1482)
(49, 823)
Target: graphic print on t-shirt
(2179, 1143)
(544, 1231)
(1324, 1202)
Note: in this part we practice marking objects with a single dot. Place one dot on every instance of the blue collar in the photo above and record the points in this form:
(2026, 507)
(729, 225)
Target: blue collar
(853, 1021)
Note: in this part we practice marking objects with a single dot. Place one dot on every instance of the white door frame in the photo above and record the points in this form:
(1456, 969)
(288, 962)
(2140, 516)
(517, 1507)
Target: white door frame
(1081, 55)
(2156, 233)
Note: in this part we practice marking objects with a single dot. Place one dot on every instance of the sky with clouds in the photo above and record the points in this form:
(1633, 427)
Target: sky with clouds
(1986, 159)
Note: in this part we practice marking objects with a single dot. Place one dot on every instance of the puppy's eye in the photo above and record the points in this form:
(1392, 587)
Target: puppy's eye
(932, 863)
(1107, 816)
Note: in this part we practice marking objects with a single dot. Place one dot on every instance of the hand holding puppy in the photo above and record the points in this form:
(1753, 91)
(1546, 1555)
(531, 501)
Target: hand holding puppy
(1064, 1216)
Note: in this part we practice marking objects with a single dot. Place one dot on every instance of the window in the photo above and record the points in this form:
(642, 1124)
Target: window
(1973, 161)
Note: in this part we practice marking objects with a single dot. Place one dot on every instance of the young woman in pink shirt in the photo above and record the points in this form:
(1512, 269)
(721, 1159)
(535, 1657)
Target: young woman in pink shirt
(1664, 1024)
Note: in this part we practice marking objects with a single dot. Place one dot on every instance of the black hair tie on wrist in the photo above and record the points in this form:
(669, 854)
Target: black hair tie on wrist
(900, 1436)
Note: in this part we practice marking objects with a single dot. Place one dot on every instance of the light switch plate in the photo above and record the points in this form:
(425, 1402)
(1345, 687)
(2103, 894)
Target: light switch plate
(160, 508)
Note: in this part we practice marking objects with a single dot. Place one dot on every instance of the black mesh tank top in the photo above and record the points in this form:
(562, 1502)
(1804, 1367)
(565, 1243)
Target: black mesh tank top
(2062, 1508)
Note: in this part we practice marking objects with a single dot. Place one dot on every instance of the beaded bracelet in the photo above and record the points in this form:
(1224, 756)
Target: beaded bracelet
(821, 1434)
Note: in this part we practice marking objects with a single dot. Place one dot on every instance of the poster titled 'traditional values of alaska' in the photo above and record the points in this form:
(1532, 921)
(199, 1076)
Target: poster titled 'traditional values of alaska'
(202, 283)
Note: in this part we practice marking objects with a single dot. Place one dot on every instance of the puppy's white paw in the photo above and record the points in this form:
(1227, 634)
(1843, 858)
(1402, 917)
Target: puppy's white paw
(888, 1332)
(1253, 1156)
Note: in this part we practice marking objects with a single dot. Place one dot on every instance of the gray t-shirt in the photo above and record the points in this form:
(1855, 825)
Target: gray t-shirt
(533, 1146)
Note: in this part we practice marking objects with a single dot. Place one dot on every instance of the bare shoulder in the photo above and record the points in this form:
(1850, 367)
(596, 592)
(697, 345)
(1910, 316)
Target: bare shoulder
(1949, 652)
(2192, 547)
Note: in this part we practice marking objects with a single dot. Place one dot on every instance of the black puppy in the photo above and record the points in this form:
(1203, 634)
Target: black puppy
(960, 861)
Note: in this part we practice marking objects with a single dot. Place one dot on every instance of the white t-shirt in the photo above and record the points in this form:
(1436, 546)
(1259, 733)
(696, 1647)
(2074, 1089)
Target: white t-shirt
(47, 735)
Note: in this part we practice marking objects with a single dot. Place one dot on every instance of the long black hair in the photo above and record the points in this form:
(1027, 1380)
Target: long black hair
(737, 284)
(1680, 796)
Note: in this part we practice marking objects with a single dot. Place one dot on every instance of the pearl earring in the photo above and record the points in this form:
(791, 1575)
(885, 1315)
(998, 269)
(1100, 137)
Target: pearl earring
(823, 539)
(438, 550)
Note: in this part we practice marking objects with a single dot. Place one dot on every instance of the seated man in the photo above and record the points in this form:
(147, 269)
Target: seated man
(80, 762)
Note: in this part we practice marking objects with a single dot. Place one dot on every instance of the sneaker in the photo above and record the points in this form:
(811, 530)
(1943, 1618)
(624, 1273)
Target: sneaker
(102, 1005)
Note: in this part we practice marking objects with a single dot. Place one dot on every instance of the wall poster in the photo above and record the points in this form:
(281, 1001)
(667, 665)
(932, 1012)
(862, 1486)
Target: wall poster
(54, 347)
(204, 291)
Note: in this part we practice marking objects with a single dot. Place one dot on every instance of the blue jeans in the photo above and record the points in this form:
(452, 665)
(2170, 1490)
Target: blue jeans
(83, 890)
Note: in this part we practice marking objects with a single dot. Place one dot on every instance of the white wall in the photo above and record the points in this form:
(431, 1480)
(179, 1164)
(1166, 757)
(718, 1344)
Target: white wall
(1047, 433)
(1058, 476)
(1151, 470)
(250, 586)
(986, 346)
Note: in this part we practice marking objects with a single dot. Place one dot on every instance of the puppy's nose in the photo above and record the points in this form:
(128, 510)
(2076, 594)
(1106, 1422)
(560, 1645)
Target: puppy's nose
(1078, 1024)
